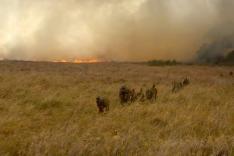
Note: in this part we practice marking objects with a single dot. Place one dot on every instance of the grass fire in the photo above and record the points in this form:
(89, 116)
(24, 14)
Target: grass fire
(81, 60)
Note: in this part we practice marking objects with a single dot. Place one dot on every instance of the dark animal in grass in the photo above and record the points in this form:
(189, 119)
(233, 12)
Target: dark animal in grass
(223, 153)
(151, 94)
(154, 91)
(124, 95)
(231, 73)
(102, 104)
(186, 81)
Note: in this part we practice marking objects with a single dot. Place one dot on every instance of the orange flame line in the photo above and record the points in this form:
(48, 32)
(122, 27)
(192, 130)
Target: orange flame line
(88, 60)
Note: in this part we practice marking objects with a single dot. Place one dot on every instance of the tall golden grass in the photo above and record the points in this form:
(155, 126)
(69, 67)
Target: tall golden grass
(49, 109)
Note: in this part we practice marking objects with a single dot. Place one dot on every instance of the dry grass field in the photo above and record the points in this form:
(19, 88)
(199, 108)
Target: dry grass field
(49, 109)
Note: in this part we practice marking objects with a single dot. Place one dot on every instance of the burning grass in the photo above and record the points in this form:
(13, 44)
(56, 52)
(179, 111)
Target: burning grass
(50, 109)
(82, 60)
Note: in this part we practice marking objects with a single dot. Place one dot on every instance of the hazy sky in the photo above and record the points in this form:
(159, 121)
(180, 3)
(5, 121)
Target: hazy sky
(111, 29)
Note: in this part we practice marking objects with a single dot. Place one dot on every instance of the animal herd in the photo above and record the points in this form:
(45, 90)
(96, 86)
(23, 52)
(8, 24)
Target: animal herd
(128, 95)
(180, 85)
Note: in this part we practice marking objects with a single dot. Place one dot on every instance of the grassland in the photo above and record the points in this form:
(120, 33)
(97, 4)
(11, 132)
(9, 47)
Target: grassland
(49, 109)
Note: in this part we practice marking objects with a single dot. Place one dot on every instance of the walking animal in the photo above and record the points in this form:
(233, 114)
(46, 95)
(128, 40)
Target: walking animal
(186, 81)
(151, 94)
(103, 104)
(124, 95)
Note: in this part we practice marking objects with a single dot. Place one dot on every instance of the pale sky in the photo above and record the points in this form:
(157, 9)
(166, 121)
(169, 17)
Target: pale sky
(111, 29)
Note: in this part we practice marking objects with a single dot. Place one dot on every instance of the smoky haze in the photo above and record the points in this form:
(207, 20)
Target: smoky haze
(124, 30)
(221, 36)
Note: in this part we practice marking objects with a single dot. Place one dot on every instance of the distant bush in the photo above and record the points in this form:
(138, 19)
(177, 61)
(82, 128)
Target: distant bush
(163, 63)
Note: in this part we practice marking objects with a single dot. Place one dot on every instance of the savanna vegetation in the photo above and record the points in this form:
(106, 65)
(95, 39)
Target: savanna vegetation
(50, 109)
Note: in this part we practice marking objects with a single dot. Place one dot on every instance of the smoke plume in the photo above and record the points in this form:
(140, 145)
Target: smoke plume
(132, 30)
(221, 36)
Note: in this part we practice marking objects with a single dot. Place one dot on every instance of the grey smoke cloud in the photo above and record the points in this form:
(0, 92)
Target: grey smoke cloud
(112, 29)
(221, 36)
